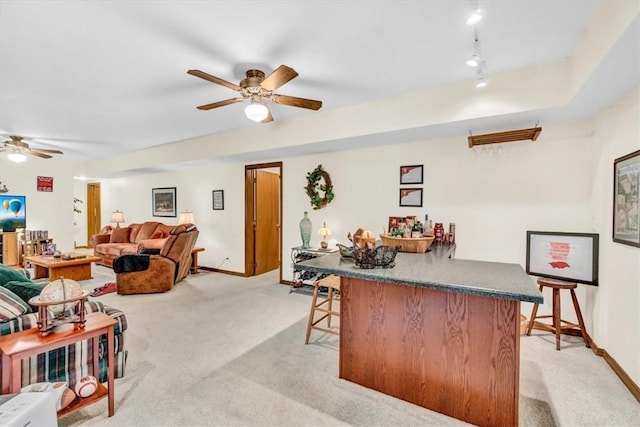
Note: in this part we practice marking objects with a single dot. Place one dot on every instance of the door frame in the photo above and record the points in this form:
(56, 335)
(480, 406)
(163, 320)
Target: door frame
(249, 210)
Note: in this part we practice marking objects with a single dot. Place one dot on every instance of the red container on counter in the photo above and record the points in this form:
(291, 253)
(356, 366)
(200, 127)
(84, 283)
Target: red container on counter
(438, 230)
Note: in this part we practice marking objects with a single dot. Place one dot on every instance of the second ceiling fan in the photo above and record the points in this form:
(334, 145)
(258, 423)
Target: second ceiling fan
(259, 89)
(18, 148)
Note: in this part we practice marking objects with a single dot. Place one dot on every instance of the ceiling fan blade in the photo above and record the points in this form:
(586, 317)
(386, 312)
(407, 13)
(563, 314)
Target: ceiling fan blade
(280, 76)
(38, 153)
(293, 101)
(220, 103)
(268, 119)
(46, 150)
(213, 79)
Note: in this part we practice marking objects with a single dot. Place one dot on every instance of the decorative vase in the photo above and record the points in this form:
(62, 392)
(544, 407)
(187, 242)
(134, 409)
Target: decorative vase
(305, 230)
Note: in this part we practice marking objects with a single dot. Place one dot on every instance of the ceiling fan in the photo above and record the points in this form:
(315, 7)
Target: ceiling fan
(19, 148)
(259, 89)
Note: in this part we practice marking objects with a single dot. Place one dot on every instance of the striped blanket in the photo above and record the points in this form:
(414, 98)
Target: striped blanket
(73, 361)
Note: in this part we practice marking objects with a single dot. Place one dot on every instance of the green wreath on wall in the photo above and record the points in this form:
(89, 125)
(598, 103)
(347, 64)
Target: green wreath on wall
(314, 187)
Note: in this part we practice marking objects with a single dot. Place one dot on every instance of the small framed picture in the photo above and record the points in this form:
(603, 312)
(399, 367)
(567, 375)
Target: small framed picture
(626, 199)
(164, 201)
(411, 174)
(411, 197)
(218, 200)
(395, 222)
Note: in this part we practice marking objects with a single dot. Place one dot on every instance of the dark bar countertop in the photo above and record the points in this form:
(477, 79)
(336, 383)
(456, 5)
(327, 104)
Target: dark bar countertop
(435, 269)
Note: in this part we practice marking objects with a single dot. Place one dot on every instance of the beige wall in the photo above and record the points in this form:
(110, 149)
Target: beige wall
(616, 314)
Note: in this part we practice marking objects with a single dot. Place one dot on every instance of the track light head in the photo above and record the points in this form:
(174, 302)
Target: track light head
(481, 80)
(475, 60)
(475, 17)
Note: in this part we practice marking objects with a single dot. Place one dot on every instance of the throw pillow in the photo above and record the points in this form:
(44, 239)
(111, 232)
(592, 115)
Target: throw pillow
(7, 274)
(25, 290)
(157, 235)
(11, 305)
(120, 235)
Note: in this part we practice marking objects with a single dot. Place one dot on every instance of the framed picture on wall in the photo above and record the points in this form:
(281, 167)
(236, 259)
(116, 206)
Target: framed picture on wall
(218, 200)
(626, 199)
(412, 174)
(163, 201)
(411, 197)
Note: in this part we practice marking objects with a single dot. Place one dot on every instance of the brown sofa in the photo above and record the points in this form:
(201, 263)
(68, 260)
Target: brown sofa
(143, 274)
(129, 240)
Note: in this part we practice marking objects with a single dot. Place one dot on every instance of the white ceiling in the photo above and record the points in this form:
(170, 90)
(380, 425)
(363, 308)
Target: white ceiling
(97, 79)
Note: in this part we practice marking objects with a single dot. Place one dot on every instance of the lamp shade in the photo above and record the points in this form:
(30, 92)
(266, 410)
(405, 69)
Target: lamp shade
(117, 217)
(186, 217)
(324, 231)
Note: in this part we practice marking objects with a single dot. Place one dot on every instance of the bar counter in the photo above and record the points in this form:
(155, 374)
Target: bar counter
(435, 331)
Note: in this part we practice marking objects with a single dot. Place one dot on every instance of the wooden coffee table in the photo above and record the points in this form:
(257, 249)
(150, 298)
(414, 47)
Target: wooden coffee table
(53, 268)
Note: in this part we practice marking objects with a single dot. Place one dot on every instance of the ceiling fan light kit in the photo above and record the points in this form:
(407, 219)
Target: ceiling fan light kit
(17, 157)
(259, 89)
(508, 136)
(256, 111)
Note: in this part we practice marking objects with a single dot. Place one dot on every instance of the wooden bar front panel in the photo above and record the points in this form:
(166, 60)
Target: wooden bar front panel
(453, 353)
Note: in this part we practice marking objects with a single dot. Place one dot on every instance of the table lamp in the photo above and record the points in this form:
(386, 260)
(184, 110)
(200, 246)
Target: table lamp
(117, 217)
(324, 232)
(186, 217)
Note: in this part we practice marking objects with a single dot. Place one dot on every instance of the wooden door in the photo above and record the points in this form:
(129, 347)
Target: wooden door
(93, 210)
(267, 220)
(263, 213)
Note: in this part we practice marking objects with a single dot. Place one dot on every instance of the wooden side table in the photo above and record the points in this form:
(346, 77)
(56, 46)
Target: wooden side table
(194, 259)
(20, 345)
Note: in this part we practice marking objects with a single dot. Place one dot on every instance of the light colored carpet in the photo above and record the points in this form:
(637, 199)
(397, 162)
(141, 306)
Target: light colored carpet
(221, 350)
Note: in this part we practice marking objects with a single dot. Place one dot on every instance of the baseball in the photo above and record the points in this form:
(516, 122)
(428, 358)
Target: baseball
(86, 386)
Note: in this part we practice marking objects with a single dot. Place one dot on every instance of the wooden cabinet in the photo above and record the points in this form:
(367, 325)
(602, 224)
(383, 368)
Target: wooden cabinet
(9, 254)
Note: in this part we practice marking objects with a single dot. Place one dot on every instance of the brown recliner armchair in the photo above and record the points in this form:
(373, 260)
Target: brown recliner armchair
(150, 273)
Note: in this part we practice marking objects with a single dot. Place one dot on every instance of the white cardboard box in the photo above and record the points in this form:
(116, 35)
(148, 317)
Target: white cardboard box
(28, 409)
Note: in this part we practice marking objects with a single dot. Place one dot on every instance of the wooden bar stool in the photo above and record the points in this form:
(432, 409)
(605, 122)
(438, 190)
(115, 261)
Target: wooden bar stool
(556, 326)
(332, 283)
